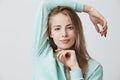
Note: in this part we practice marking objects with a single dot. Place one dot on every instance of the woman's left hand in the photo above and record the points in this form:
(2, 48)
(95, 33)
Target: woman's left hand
(97, 19)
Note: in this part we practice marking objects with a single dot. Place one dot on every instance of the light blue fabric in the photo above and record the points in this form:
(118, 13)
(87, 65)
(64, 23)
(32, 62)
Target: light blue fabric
(45, 66)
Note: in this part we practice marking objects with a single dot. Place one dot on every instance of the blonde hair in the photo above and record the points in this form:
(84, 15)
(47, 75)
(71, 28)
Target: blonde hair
(79, 46)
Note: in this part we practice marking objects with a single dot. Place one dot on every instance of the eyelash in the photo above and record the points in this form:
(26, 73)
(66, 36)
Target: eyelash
(57, 29)
(70, 28)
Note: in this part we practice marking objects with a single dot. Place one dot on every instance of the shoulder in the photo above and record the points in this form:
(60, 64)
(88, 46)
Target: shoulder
(94, 67)
(93, 63)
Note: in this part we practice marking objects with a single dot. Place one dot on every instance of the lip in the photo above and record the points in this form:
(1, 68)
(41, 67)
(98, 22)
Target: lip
(65, 41)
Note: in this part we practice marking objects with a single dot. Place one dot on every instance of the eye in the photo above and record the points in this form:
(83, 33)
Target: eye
(57, 29)
(70, 28)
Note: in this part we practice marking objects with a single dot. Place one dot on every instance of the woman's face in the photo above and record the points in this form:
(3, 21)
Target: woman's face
(62, 31)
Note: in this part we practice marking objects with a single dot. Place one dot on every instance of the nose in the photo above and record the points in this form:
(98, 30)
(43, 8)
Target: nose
(64, 33)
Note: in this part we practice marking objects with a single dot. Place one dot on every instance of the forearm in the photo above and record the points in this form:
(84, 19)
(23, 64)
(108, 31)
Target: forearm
(39, 36)
(51, 4)
(77, 6)
(87, 8)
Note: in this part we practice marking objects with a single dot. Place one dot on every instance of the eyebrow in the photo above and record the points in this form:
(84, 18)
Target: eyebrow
(60, 25)
(57, 26)
(69, 25)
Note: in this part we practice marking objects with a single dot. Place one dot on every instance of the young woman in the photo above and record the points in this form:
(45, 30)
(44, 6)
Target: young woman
(67, 40)
(46, 66)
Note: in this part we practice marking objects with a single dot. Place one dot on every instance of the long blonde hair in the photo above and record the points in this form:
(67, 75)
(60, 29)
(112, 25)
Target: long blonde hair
(79, 46)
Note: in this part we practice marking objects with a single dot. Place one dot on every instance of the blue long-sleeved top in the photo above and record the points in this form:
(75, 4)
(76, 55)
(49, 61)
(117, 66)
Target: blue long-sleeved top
(45, 66)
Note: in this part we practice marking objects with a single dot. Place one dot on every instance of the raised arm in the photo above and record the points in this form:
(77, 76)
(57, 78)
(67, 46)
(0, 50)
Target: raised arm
(40, 39)
(51, 4)
(95, 16)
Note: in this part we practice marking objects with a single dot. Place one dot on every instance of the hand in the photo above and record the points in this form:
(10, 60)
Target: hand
(97, 19)
(68, 58)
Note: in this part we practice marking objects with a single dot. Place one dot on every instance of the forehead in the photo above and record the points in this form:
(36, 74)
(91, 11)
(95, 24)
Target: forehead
(60, 19)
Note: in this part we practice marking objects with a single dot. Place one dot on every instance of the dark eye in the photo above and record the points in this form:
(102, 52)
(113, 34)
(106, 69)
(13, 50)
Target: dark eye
(70, 28)
(57, 29)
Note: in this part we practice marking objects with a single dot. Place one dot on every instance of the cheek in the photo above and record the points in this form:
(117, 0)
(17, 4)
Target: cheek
(51, 34)
(54, 35)
(73, 37)
(72, 34)
(55, 38)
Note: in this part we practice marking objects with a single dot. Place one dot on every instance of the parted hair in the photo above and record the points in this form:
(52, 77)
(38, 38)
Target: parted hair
(79, 45)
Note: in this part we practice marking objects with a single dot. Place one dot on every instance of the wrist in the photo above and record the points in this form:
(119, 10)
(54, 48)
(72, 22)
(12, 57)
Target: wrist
(88, 9)
(75, 66)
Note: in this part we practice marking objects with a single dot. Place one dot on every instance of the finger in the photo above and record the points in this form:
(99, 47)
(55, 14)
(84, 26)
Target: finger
(105, 26)
(64, 52)
(97, 28)
(103, 23)
(104, 31)
(67, 53)
(60, 56)
(58, 50)
(61, 59)
(105, 34)
(64, 62)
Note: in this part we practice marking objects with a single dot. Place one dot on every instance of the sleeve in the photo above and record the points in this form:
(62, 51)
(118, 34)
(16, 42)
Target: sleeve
(97, 74)
(76, 74)
(39, 36)
(77, 6)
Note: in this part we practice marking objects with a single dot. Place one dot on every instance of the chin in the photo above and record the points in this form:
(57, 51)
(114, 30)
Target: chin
(65, 48)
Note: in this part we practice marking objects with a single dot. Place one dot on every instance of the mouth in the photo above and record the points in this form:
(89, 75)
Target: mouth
(65, 41)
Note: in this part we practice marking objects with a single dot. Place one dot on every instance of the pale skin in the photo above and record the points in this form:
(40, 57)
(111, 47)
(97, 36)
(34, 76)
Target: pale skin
(63, 34)
(64, 29)
(70, 62)
(96, 19)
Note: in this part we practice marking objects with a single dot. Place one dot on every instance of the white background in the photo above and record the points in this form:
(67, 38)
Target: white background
(16, 21)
